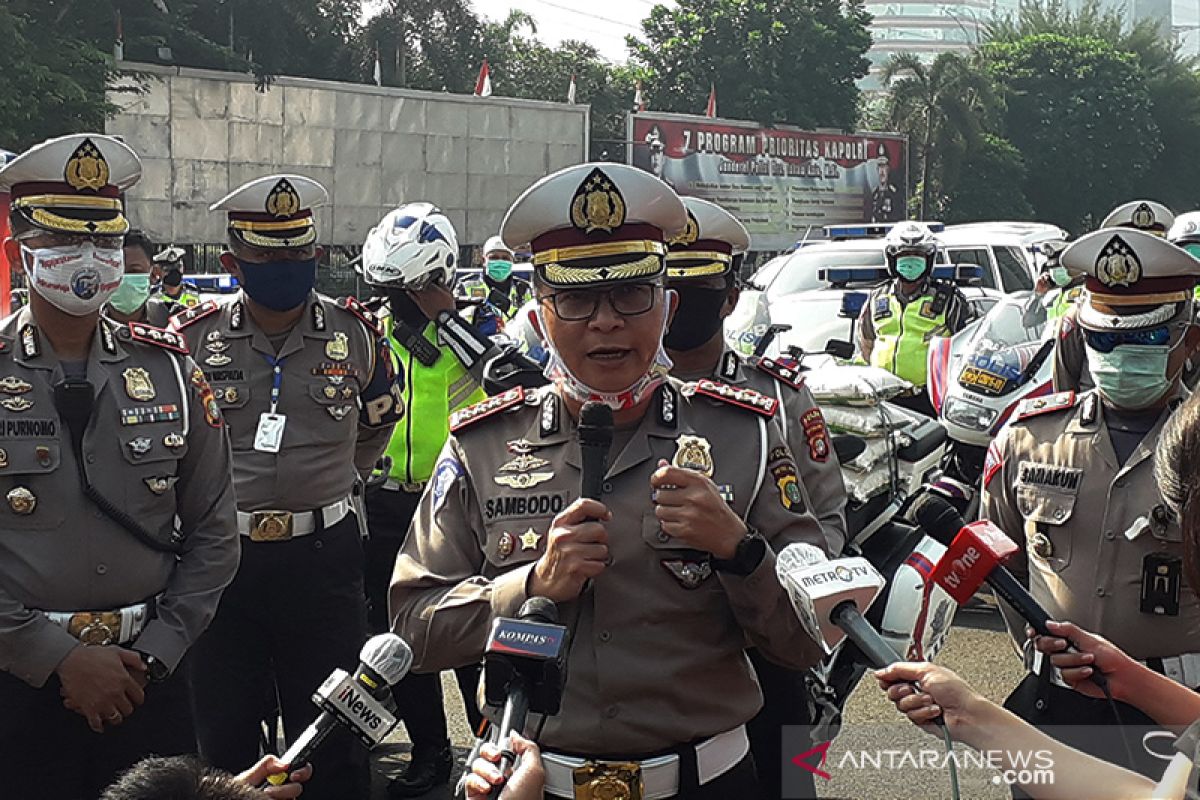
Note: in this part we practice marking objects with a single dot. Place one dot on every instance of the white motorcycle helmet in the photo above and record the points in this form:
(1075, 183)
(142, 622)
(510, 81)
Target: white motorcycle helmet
(411, 247)
(908, 241)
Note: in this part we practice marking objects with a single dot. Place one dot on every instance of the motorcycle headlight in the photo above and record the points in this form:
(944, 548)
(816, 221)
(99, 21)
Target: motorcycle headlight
(966, 414)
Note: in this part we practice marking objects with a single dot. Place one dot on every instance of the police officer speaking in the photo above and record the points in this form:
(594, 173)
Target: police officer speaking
(311, 397)
(901, 317)
(117, 530)
(1071, 480)
(670, 574)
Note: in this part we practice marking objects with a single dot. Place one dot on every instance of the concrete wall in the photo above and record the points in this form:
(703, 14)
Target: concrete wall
(201, 134)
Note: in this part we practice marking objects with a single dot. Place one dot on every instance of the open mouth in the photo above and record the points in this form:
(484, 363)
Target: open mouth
(609, 355)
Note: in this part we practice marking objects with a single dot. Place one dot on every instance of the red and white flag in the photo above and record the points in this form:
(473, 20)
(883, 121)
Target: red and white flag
(571, 90)
(639, 102)
(711, 109)
(483, 84)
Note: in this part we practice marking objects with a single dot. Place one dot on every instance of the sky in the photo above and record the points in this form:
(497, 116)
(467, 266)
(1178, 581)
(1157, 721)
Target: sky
(603, 24)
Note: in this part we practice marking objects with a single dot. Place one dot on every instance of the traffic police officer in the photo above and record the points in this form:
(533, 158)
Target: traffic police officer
(901, 317)
(669, 576)
(1071, 480)
(310, 396)
(701, 265)
(174, 292)
(1057, 287)
(496, 285)
(117, 530)
(1185, 233)
(131, 301)
(1070, 360)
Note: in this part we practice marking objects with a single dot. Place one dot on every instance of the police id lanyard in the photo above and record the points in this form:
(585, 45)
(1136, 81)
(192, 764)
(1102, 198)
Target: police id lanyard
(268, 438)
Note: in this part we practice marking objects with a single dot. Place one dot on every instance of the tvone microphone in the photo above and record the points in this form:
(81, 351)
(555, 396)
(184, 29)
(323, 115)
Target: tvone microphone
(524, 668)
(595, 438)
(830, 596)
(353, 701)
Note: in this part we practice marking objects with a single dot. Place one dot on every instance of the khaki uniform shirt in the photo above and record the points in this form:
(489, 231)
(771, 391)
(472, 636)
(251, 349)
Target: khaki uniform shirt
(803, 428)
(154, 449)
(1053, 485)
(340, 397)
(659, 638)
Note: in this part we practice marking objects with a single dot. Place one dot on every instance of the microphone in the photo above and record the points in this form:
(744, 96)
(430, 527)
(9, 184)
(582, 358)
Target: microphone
(595, 438)
(524, 668)
(353, 701)
(830, 596)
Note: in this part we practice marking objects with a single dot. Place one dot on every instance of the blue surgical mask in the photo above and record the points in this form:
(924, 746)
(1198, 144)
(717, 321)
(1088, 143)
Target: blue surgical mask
(910, 268)
(132, 293)
(1132, 376)
(1060, 276)
(499, 269)
(279, 285)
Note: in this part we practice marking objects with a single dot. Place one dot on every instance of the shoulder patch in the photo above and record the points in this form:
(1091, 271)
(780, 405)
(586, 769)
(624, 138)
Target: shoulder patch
(184, 318)
(486, 408)
(148, 334)
(734, 395)
(1037, 406)
(352, 305)
(781, 371)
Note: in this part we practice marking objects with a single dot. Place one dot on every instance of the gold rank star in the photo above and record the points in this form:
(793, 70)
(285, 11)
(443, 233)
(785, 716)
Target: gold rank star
(530, 540)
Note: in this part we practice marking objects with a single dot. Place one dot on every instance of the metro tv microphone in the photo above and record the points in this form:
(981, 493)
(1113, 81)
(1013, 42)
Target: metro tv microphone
(524, 666)
(829, 597)
(353, 701)
(976, 553)
(595, 438)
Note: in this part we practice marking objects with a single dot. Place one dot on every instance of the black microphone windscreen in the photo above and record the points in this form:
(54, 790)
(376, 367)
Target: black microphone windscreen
(539, 609)
(595, 424)
(939, 519)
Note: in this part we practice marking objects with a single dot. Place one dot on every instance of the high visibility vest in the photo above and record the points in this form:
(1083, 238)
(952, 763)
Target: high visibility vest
(431, 394)
(903, 331)
(519, 293)
(1067, 297)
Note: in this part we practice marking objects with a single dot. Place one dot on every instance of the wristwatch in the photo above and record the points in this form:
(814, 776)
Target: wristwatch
(746, 558)
(156, 670)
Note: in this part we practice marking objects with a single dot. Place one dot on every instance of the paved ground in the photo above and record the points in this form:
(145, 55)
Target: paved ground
(977, 650)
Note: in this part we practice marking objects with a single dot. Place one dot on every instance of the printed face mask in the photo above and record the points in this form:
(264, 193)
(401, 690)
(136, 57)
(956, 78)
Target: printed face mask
(77, 279)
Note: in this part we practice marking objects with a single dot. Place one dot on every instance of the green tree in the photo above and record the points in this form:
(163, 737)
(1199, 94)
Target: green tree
(793, 61)
(1078, 110)
(990, 185)
(943, 107)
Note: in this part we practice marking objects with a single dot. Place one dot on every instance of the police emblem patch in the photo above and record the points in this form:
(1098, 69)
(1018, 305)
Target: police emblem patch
(597, 204)
(138, 384)
(447, 471)
(694, 453)
(1117, 264)
(790, 495)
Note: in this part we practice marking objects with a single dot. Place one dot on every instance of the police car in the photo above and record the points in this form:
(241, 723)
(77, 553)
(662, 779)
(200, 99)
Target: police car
(814, 294)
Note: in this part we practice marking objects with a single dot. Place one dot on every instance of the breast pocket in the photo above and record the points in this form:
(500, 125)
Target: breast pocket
(231, 395)
(515, 542)
(338, 403)
(27, 485)
(147, 482)
(1046, 512)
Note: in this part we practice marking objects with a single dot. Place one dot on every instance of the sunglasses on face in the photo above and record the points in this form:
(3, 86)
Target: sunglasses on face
(1107, 341)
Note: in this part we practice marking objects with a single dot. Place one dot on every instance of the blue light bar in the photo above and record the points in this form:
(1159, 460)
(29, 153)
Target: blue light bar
(853, 274)
(870, 230)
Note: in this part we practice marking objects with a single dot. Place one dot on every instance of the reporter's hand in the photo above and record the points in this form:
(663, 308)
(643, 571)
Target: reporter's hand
(692, 512)
(941, 692)
(576, 551)
(98, 683)
(527, 781)
(270, 765)
(1095, 653)
(433, 299)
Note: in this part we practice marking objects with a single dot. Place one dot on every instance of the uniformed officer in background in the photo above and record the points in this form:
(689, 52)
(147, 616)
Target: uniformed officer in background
(131, 301)
(902, 316)
(665, 580)
(311, 396)
(496, 286)
(1071, 480)
(701, 267)
(117, 533)
(1070, 359)
(173, 291)
(1185, 233)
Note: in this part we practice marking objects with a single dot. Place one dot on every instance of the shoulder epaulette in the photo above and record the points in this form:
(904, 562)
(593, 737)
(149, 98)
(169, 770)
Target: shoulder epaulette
(356, 308)
(738, 396)
(1036, 406)
(785, 372)
(486, 408)
(184, 318)
(148, 334)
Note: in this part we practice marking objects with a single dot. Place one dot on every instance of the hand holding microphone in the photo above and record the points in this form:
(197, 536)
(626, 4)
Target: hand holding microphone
(1080, 655)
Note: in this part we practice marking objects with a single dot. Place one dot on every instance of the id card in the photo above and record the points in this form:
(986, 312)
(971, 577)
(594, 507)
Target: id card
(269, 436)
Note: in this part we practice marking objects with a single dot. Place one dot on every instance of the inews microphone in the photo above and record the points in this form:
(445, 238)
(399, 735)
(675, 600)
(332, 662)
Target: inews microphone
(830, 596)
(595, 438)
(353, 701)
(977, 553)
(524, 666)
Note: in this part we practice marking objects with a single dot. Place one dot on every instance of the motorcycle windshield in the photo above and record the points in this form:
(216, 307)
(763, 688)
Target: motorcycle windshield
(998, 357)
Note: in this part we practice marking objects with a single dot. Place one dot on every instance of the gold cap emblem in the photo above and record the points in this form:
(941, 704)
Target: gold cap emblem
(283, 201)
(86, 168)
(1117, 264)
(597, 204)
(1143, 217)
(689, 235)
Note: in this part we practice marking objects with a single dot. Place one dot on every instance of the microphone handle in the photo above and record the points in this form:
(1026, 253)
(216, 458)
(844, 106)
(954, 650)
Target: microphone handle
(1017, 596)
(593, 458)
(302, 749)
(516, 709)
(878, 652)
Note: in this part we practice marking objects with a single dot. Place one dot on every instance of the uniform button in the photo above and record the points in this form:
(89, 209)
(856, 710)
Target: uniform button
(605, 636)
(610, 712)
(318, 544)
(607, 487)
(662, 537)
(1109, 535)
(101, 569)
(99, 514)
(1119, 483)
(1099, 591)
(91, 458)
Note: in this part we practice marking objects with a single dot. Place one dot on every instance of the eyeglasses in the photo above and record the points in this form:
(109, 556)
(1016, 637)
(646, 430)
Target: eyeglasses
(1107, 341)
(627, 299)
(71, 239)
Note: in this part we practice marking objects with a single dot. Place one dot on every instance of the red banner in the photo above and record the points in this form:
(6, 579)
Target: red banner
(780, 182)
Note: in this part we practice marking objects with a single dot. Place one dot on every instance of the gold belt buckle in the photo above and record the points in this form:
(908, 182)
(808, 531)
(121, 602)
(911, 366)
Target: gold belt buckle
(271, 526)
(615, 780)
(95, 628)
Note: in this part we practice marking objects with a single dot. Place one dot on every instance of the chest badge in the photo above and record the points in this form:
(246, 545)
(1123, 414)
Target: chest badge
(21, 501)
(523, 480)
(694, 453)
(530, 540)
(17, 404)
(689, 574)
(138, 384)
(140, 446)
(218, 360)
(11, 384)
(506, 545)
(338, 348)
(174, 441)
(339, 412)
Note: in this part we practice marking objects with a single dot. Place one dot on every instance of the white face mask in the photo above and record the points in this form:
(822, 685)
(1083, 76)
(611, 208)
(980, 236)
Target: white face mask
(77, 279)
